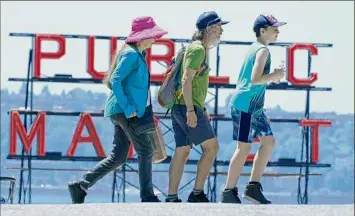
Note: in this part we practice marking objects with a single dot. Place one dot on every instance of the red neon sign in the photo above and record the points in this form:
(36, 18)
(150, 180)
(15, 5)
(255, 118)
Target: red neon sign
(85, 120)
(291, 64)
(39, 54)
(315, 124)
(38, 128)
(167, 57)
(91, 57)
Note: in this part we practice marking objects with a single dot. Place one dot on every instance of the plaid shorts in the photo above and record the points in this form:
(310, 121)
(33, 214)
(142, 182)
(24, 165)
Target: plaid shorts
(248, 126)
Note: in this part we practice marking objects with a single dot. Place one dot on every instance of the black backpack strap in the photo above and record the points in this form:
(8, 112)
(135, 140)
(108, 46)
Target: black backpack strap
(166, 113)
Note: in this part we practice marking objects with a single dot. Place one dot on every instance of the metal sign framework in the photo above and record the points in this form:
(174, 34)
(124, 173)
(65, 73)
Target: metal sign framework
(121, 173)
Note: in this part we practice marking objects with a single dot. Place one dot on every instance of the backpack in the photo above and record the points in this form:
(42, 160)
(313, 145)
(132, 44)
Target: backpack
(168, 92)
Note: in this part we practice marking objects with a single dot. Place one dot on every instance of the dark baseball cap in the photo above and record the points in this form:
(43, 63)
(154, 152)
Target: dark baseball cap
(266, 20)
(207, 19)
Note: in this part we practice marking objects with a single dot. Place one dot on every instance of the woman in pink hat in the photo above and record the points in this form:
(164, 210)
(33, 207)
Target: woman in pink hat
(130, 110)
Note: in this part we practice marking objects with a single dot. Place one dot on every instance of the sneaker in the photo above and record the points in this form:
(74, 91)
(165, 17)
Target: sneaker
(76, 192)
(201, 197)
(153, 198)
(230, 196)
(253, 193)
(177, 200)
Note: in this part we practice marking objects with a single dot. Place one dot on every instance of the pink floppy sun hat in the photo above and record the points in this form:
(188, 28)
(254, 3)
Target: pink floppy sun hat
(144, 28)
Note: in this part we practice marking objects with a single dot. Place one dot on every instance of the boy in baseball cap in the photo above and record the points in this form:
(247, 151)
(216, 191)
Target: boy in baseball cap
(249, 120)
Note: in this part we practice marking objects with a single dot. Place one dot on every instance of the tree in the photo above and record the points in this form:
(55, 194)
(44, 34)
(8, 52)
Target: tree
(46, 93)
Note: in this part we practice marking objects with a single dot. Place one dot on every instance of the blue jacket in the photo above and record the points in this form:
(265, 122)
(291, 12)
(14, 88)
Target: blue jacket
(129, 82)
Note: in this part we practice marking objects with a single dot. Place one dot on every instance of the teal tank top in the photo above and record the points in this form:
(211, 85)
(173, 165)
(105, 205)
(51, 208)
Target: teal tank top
(249, 97)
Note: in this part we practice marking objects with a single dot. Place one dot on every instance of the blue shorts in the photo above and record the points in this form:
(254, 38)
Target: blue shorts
(185, 135)
(248, 126)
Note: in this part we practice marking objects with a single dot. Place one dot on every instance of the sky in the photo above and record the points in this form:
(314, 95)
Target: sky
(309, 22)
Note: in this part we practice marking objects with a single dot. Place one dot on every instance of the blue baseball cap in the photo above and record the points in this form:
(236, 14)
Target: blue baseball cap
(265, 21)
(207, 19)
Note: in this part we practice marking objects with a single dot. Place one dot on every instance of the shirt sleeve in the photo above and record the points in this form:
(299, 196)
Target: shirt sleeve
(194, 57)
(126, 64)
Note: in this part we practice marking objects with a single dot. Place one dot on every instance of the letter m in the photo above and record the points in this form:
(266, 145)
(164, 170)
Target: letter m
(37, 128)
